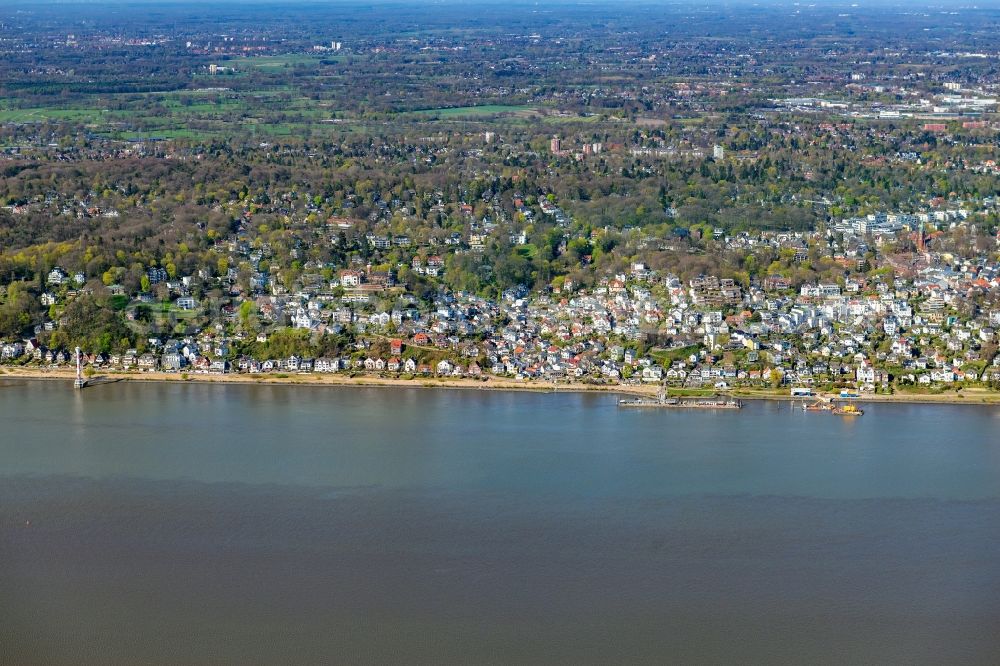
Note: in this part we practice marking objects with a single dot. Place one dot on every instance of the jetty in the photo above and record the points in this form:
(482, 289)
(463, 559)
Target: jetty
(681, 403)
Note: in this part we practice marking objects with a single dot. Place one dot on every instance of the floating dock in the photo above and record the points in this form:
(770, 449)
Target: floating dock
(828, 406)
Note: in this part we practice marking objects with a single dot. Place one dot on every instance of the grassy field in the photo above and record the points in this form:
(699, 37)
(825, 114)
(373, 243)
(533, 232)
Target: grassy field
(553, 120)
(528, 251)
(668, 356)
(281, 61)
(485, 110)
(163, 134)
(267, 111)
(77, 115)
(164, 314)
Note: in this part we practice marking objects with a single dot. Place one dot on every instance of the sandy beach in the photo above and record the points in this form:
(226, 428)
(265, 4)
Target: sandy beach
(965, 396)
(488, 383)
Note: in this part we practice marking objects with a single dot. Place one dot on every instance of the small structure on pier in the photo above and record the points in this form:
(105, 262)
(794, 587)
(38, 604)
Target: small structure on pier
(79, 382)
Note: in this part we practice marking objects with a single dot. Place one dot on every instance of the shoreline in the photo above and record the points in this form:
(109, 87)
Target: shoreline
(978, 397)
(334, 380)
(975, 398)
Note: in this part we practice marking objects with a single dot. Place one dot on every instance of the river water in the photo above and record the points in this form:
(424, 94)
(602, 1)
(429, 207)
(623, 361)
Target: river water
(214, 524)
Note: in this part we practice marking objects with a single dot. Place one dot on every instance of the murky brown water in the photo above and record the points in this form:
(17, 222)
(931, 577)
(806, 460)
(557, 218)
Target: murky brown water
(229, 524)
